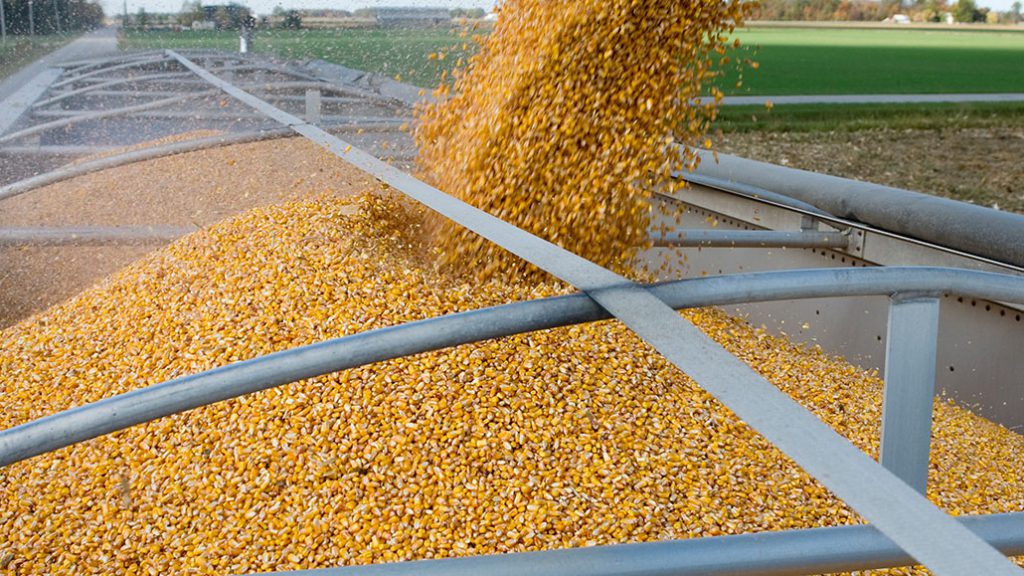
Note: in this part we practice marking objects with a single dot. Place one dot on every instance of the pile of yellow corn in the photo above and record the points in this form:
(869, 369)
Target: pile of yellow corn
(566, 110)
(570, 437)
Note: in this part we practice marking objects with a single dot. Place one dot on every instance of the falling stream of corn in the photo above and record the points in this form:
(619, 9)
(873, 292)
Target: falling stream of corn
(568, 437)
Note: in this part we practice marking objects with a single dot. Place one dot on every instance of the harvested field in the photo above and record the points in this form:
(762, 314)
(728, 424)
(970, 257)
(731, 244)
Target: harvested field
(188, 190)
(981, 166)
(567, 437)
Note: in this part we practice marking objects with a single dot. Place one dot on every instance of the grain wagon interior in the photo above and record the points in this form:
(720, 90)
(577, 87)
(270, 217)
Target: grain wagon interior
(272, 315)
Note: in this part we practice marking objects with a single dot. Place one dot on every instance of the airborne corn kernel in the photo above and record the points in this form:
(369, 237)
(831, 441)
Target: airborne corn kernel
(568, 110)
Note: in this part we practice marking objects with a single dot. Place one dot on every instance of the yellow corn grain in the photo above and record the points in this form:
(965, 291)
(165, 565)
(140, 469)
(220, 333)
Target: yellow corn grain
(565, 118)
(568, 437)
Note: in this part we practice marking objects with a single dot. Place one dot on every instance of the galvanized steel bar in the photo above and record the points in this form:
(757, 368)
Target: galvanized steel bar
(115, 82)
(165, 93)
(90, 63)
(909, 386)
(265, 67)
(90, 235)
(56, 150)
(217, 114)
(787, 553)
(71, 79)
(749, 191)
(929, 535)
(994, 234)
(234, 380)
(319, 85)
(98, 115)
(751, 239)
(64, 173)
(73, 171)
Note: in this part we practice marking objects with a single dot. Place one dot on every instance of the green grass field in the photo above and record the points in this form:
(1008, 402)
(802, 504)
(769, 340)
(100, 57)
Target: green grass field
(792, 61)
(402, 53)
(858, 61)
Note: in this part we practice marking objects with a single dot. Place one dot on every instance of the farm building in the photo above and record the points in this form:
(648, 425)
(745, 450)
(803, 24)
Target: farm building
(412, 17)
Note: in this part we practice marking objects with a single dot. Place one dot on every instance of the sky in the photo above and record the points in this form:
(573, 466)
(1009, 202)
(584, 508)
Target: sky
(266, 6)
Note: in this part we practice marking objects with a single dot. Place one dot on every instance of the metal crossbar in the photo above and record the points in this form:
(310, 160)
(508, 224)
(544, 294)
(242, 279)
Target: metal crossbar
(234, 380)
(787, 553)
(114, 82)
(90, 235)
(100, 114)
(832, 550)
(751, 239)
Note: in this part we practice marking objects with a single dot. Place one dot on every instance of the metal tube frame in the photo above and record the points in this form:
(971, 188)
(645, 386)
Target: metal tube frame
(114, 82)
(97, 115)
(234, 380)
(785, 553)
(751, 239)
(67, 172)
(90, 235)
(994, 234)
(281, 368)
(71, 79)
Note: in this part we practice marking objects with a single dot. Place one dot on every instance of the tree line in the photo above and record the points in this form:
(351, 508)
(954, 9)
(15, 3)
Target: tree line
(24, 17)
(875, 11)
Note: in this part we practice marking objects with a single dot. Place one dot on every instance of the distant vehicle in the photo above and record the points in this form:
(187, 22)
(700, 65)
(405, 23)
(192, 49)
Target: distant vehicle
(898, 19)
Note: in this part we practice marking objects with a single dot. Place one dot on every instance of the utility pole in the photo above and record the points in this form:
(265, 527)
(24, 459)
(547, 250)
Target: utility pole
(31, 21)
(124, 19)
(56, 15)
(3, 25)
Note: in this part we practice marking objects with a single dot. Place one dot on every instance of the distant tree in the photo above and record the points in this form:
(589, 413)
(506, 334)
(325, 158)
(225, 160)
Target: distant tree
(476, 13)
(85, 15)
(365, 12)
(191, 11)
(967, 11)
(847, 10)
(892, 7)
(221, 18)
(931, 11)
(292, 20)
(141, 18)
(50, 16)
(227, 16)
(1015, 9)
